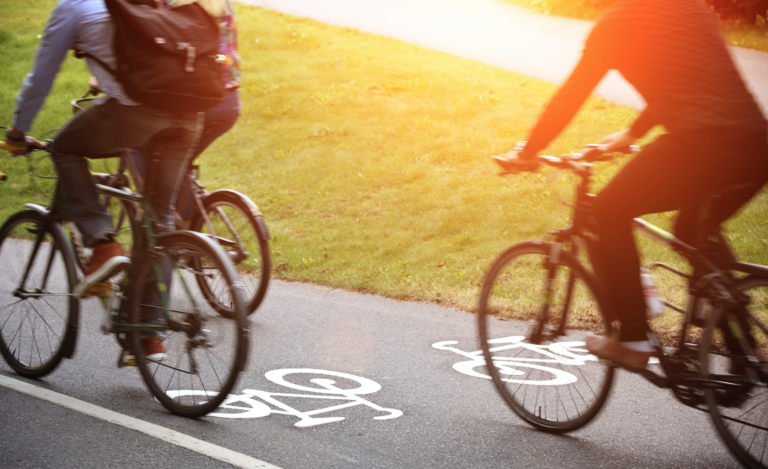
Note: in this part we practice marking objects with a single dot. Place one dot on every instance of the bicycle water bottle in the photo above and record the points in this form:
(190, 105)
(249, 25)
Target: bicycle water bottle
(653, 305)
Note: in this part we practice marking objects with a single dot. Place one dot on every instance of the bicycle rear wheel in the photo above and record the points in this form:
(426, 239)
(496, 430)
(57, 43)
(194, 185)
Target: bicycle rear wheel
(240, 230)
(547, 376)
(38, 317)
(740, 410)
(204, 351)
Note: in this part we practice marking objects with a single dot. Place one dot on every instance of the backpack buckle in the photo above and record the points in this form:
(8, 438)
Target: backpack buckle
(191, 54)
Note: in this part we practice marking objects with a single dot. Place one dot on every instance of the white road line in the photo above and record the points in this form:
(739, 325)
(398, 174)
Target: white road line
(170, 436)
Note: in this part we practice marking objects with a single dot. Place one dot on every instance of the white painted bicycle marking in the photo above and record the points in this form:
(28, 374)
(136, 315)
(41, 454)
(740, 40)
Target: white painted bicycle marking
(249, 405)
(563, 353)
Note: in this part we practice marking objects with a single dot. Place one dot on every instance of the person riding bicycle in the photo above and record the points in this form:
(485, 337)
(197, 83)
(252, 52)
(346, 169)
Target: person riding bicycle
(674, 54)
(114, 124)
(219, 119)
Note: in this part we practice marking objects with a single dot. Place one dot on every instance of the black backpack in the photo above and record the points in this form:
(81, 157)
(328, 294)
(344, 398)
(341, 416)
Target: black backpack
(166, 57)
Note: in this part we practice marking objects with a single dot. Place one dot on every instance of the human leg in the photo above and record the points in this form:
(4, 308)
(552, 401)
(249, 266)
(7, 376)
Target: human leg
(217, 122)
(675, 172)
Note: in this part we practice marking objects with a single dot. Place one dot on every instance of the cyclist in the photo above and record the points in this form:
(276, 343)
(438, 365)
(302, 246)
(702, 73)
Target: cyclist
(221, 118)
(675, 56)
(114, 124)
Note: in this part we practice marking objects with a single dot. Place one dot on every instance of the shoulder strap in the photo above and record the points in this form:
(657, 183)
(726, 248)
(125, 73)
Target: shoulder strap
(81, 54)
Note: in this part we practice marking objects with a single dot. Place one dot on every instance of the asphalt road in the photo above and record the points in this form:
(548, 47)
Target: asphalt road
(494, 33)
(448, 419)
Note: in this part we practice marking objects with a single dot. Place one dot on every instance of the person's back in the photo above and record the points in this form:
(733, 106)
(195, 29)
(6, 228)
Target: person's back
(674, 53)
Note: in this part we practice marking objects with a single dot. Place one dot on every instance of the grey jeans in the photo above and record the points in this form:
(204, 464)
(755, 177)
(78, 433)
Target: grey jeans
(109, 128)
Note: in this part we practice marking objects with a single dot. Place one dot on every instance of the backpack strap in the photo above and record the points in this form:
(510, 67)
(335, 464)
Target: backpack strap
(81, 54)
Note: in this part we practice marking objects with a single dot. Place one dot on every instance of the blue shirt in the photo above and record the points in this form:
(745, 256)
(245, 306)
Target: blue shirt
(74, 24)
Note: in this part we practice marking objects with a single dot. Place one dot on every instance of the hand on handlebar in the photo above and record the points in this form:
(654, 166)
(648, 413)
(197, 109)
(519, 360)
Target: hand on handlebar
(17, 148)
(620, 141)
(515, 162)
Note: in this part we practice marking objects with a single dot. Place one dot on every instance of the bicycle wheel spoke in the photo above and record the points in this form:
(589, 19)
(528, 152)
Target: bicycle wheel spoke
(230, 219)
(740, 413)
(553, 384)
(201, 359)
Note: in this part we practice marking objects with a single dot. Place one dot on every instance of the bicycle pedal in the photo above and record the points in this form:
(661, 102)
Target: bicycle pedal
(99, 290)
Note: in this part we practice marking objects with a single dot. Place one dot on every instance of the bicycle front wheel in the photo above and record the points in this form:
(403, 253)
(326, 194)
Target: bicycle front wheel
(739, 408)
(193, 362)
(546, 376)
(237, 226)
(38, 316)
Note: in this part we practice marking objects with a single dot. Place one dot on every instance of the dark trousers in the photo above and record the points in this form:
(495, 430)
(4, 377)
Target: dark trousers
(217, 121)
(675, 172)
(106, 129)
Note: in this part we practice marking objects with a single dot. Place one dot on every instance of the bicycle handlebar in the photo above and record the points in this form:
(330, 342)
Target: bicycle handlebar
(8, 147)
(576, 162)
(25, 148)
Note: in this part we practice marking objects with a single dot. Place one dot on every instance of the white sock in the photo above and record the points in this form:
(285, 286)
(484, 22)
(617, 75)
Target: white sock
(639, 346)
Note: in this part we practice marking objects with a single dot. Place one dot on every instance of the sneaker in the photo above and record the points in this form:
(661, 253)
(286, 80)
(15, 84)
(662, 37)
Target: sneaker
(153, 350)
(107, 260)
(611, 349)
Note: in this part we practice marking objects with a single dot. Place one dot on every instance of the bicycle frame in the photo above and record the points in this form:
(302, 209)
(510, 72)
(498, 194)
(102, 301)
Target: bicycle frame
(716, 284)
(145, 243)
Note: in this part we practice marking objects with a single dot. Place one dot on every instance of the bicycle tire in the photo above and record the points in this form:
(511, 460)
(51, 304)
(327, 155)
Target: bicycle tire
(510, 291)
(50, 318)
(745, 435)
(246, 243)
(207, 338)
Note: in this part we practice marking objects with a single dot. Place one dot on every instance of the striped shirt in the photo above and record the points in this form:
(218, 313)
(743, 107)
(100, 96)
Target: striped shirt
(673, 53)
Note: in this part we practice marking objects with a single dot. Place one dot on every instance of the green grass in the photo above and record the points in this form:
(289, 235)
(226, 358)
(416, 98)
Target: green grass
(369, 156)
(751, 35)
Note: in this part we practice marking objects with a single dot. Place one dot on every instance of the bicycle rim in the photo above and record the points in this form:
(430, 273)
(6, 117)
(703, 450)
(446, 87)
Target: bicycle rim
(243, 238)
(740, 413)
(38, 318)
(553, 384)
(203, 359)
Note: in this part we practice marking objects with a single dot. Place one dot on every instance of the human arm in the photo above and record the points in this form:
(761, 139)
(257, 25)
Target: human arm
(57, 39)
(566, 103)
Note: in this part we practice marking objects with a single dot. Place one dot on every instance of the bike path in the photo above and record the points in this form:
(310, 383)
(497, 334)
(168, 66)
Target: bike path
(501, 35)
(447, 419)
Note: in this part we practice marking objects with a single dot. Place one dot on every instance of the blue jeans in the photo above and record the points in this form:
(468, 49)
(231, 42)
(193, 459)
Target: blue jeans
(217, 121)
(109, 128)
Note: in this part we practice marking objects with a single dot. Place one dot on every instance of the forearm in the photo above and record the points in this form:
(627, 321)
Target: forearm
(565, 104)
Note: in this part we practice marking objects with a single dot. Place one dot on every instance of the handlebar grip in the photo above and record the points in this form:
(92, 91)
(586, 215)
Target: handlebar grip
(8, 147)
(3, 176)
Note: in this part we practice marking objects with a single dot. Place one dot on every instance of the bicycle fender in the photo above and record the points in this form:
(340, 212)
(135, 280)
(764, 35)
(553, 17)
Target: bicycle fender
(39, 209)
(252, 207)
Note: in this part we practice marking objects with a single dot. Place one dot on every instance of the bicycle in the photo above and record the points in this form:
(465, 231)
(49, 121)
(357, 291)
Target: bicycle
(39, 308)
(552, 280)
(228, 217)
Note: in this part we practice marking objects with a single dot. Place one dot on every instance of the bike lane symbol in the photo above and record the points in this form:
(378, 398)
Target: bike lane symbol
(563, 353)
(250, 405)
(515, 369)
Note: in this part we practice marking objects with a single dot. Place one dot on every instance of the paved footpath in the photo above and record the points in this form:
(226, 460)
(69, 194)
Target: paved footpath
(414, 410)
(494, 33)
